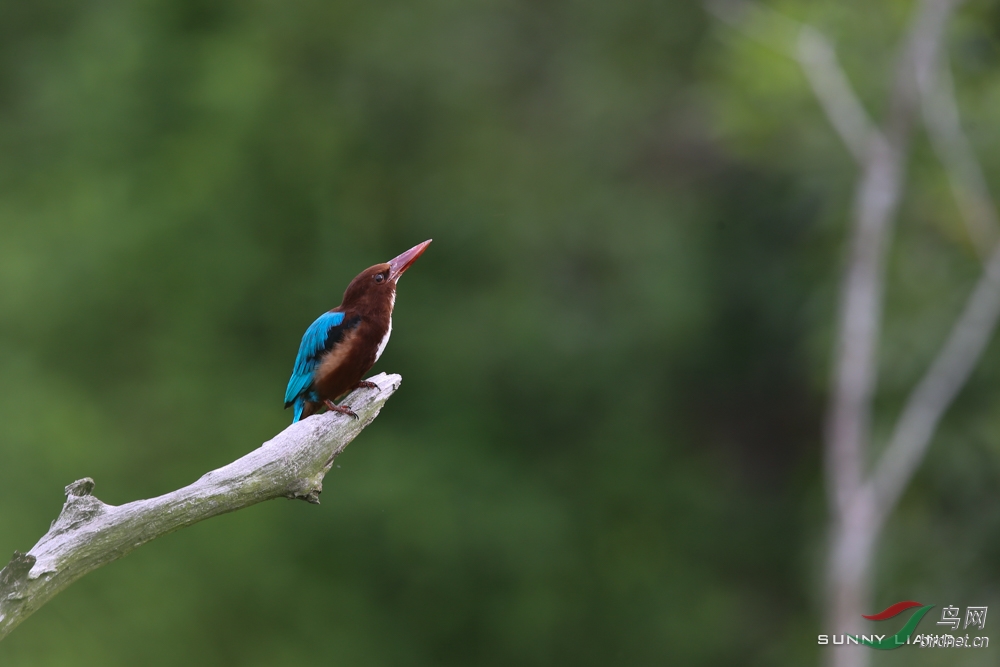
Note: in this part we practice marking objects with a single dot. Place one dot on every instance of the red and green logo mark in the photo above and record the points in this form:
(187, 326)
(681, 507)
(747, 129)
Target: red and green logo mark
(902, 637)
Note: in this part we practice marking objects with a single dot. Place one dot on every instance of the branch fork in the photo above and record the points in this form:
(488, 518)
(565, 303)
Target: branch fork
(860, 499)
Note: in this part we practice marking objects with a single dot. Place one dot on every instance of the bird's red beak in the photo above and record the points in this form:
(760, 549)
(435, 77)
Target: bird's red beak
(401, 263)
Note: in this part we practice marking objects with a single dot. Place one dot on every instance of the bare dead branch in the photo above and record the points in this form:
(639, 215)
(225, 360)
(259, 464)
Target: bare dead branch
(877, 197)
(858, 502)
(854, 527)
(965, 176)
(88, 533)
(938, 388)
(843, 108)
(818, 60)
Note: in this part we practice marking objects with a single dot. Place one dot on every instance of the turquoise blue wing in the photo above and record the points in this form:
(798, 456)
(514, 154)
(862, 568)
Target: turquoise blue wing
(313, 345)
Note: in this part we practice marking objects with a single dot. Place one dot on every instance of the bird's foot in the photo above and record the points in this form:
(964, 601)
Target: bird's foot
(366, 385)
(342, 409)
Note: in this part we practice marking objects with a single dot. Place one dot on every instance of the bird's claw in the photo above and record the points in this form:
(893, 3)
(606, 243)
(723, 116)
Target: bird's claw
(365, 384)
(342, 409)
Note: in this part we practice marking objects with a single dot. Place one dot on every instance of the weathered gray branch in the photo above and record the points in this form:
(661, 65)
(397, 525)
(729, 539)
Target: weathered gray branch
(877, 197)
(975, 326)
(854, 526)
(953, 148)
(88, 533)
(818, 60)
(843, 108)
(856, 518)
(935, 392)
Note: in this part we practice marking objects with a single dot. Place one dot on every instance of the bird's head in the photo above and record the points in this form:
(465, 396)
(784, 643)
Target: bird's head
(376, 285)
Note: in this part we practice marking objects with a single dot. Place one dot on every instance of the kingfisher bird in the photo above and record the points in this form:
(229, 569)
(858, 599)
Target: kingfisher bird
(344, 343)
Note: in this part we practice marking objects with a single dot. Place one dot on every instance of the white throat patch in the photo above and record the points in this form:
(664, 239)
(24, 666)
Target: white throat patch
(388, 332)
(384, 341)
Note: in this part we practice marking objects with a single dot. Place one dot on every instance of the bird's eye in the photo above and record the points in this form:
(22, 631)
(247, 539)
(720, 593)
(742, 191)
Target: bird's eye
(379, 277)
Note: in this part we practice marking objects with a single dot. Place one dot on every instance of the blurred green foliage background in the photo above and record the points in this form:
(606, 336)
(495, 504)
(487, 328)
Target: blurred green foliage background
(606, 448)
